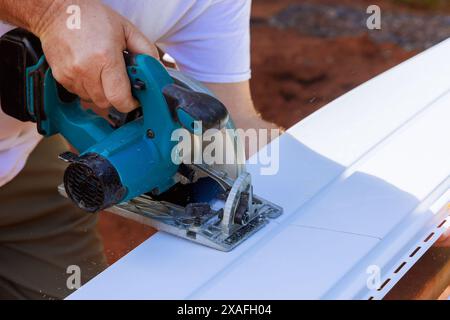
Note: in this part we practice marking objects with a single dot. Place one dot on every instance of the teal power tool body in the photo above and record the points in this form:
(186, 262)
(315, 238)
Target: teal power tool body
(127, 165)
(115, 164)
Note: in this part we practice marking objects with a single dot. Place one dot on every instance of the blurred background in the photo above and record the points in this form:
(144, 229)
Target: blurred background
(305, 54)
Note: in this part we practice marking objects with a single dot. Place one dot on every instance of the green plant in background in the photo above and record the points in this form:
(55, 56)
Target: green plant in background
(427, 4)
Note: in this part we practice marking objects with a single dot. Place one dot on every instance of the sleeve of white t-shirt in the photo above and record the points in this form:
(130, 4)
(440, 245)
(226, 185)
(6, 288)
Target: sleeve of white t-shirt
(215, 45)
(209, 39)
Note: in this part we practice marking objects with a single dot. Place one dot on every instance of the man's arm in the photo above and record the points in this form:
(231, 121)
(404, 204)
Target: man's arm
(26, 13)
(238, 100)
(87, 61)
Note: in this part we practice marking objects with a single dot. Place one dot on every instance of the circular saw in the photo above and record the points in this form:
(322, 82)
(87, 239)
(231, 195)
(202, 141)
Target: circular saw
(130, 164)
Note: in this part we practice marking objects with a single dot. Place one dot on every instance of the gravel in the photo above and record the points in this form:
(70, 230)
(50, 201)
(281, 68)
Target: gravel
(410, 31)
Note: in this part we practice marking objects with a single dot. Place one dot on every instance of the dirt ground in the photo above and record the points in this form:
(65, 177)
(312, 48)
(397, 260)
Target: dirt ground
(293, 75)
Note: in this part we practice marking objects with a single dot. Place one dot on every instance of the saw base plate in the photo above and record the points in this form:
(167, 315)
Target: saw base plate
(208, 233)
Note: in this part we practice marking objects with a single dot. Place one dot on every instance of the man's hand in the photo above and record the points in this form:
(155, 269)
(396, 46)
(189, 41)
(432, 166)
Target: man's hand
(87, 61)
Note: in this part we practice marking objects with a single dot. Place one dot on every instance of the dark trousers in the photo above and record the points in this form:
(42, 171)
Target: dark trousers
(42, 233)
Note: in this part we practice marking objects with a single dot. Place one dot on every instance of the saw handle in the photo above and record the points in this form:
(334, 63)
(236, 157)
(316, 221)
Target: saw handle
(190, 107)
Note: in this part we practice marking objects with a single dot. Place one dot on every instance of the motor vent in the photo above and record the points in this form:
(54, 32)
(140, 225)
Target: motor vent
(93, 183)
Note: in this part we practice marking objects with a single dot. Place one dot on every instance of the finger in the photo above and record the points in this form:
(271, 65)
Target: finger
(77, 90)
(116, 86)
(94, 88)
(70, 85)
(138, 43)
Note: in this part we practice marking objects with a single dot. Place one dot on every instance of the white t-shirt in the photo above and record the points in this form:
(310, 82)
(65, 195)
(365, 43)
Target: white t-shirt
(209, 39)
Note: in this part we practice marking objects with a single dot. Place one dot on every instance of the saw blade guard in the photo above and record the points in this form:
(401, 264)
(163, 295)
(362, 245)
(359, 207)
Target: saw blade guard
(235, 156)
